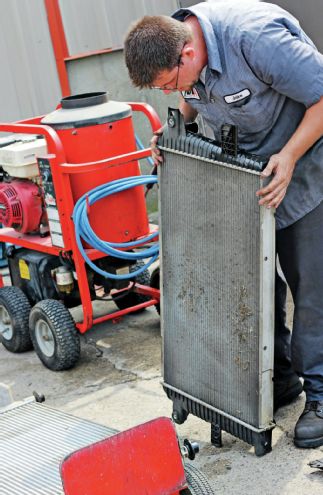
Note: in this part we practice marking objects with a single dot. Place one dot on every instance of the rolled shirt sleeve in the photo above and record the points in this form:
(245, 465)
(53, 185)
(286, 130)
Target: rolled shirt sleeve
(282, 56)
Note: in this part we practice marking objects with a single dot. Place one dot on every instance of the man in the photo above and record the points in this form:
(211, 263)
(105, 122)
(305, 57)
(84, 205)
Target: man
(252, 65)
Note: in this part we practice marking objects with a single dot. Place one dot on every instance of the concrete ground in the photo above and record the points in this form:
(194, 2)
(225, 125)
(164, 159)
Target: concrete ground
(117, 383)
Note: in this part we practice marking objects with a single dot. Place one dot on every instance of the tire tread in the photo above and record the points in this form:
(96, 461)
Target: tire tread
(132, 299)
(67, 339)
(18, 306)
(197, 482)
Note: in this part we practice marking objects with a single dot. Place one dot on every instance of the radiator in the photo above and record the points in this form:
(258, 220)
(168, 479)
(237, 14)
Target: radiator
(34, 439)
(217, 287)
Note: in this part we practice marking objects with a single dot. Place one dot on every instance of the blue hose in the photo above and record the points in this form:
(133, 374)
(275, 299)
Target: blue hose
(141, 147)
(83, 229)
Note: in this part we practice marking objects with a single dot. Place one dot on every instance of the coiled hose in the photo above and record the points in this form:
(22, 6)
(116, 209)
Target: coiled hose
(83, 229)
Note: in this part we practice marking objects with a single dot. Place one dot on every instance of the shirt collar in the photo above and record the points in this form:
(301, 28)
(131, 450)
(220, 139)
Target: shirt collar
(214, 61)
(203, 75)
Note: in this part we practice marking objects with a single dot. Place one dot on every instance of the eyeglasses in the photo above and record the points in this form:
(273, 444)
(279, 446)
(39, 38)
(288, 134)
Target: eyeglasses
(174, 88)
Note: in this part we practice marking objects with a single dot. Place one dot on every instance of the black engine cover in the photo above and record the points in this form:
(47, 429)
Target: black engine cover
(31, 272)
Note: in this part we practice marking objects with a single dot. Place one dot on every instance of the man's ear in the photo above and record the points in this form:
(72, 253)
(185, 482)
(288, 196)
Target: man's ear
(189, 52)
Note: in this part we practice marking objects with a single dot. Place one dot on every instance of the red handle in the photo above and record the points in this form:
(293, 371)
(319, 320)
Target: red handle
(53, 142)
(149, 112)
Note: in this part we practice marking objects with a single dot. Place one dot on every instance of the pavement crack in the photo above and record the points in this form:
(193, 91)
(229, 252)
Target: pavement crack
(141, 375)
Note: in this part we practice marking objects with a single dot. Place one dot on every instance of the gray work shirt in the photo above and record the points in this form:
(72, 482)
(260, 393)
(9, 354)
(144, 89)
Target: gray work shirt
(263, 72)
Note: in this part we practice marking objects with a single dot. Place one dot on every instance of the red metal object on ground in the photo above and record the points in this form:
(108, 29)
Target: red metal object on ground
(143, 460)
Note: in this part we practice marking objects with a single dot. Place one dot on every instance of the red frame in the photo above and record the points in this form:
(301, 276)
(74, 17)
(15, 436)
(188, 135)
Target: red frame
(57, 33)
(61, 172)
(60, 46)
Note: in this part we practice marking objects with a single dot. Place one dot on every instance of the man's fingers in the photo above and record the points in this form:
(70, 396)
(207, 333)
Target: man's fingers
(281, 166)
(156, 156)
(275, 202)
(279, 198)
(158, 159)
(275, 186)
(160, 131)
(271, 199)
(157, 134)
(153, 141)
(277, 181)
(269, 168)
(155, 152)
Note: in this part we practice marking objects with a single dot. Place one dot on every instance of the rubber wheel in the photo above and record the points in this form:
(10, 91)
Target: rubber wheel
(133, 298)
(197, 482)
(54, 335)
(14, 315)
(155, 284)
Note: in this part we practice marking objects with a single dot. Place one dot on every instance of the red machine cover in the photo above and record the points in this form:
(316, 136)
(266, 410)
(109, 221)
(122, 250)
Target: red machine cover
(144, 460)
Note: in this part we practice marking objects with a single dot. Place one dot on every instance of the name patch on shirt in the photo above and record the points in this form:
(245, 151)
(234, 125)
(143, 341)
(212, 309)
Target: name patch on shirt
(193, 94)
(241, 95)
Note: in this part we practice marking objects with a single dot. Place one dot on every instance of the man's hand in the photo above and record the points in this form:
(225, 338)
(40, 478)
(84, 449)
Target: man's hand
(189, 115)
(282, 167)
(155, 152)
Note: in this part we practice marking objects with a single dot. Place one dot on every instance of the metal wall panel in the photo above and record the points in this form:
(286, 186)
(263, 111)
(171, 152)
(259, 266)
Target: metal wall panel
(29, 83)
(100, 24)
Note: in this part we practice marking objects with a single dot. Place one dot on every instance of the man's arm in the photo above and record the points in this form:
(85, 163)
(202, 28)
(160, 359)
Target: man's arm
(189, 115)
(188, 112)
(283, 163)
(283, 57)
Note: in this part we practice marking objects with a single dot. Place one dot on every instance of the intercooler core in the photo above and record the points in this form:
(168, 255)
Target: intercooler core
(34, 439)
(217, 281)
